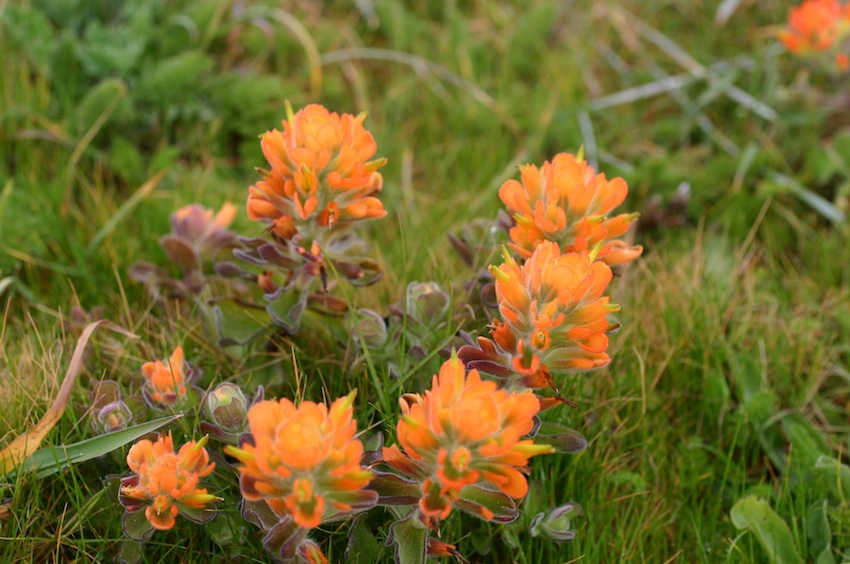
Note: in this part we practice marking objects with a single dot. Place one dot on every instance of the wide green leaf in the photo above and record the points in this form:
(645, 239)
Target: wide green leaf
(410, 538)
(770, 529)
(49, 460)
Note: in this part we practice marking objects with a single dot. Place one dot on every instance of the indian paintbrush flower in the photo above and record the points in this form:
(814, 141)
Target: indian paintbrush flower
(320, 176)
(819, 26)
(166, 483)
(305, 460)
(553, 318)
(565, 201)
(168, 383)
(464, 432)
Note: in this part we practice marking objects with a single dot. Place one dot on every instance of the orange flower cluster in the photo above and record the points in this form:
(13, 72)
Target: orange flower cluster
(165, 384)
(166, 482)
(305, 460)
(818, 26)
(320, 173)
(554, 318)
(464, 431)
(565, 201)
(554, 313)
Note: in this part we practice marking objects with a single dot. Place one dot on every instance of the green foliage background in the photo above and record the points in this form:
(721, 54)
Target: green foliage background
(730, 376)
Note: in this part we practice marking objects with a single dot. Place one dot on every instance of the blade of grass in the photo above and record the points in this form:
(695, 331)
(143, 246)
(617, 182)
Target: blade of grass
(421, 64)
(50, 460)
(140, 194)
(27, 443)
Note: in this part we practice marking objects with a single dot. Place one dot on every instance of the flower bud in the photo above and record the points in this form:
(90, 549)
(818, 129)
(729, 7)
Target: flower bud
(226, 407)
(113, 416)
(556, 524)
(368, 329)
(426, 301)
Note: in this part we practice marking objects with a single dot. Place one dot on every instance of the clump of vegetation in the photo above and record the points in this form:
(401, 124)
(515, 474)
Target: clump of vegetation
(648, 364)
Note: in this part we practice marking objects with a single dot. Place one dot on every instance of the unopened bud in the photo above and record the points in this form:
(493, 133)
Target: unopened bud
(426, 301)
(368, 328)
(113, 416)
(226, 407)
(555, 525)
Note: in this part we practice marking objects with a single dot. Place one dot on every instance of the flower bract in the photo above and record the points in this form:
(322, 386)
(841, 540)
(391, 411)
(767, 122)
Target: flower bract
(565, 201)
(321, 175)
(553, 317)
(464, 432)
(305, 460)
(166, 483)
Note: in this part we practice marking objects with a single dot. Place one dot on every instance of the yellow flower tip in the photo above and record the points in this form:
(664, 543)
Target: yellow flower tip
(372, 166)
(595, 219)
(238, 453)
(595, 252)
(361, 116)
(199, 498)
(633, 216)
(533, 449)
(290, 115)
(506, 254)
(413, 422)
(498, 273)
(580, 154)
(612, 307)
(522, 220)
(349, 399)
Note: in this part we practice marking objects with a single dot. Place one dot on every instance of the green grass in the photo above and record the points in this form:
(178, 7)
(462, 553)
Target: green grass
(732, 322)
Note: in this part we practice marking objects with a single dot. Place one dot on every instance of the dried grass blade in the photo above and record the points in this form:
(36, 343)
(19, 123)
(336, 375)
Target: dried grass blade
(28, 442)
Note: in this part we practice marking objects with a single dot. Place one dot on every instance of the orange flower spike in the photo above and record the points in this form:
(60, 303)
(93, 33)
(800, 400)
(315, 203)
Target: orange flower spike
(460, 432)
(305, 461)
(165, 384)
(320, 172)
(164, 482)
(815, 25)
(567, 202)
(554, 312)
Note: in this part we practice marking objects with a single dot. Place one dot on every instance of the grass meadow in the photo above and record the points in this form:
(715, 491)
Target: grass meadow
(729, 384)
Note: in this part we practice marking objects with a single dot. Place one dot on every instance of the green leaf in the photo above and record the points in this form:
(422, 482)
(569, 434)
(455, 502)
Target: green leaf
(110, 50)
(564, 439)
(174, 80)
(30, 31)
(772, 532)
(836, 474)
(238, 322)
(807, 443)
(818, 531)
(50, 460)
(109, 93)
(410, 538)
(475, 498)
(363, 547)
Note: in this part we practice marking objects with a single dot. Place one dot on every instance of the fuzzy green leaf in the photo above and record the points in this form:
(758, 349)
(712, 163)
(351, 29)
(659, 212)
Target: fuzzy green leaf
(771, 531)
(410, 538)
(239, 323)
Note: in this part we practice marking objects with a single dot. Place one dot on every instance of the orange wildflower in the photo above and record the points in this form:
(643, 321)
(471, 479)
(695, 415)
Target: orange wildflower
(464, 431)
(567, 202)
(320, 173)
(166, 483)
(305, 460)
(816, 25)
(553, 317)
(166, 384)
